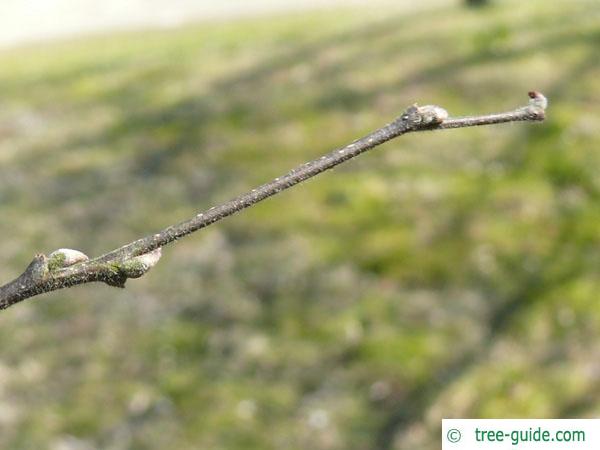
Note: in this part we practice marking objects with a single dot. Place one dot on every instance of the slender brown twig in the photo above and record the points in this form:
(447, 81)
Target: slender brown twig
(64, 267)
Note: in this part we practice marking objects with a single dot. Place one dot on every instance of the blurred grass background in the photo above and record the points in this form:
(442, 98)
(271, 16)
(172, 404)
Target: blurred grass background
(448, 274)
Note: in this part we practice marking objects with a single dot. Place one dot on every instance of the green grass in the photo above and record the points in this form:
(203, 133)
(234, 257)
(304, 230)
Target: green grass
(447, 274)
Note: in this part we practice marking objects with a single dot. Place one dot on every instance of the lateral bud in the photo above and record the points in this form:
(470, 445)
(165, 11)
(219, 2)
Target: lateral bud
(65, 257)
(139, 265)
(432, 114)
(424, 116)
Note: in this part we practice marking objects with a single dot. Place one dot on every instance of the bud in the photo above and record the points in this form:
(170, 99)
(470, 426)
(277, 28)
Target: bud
(432, 114)
(65, 257)
(537, 99)
(139, 265)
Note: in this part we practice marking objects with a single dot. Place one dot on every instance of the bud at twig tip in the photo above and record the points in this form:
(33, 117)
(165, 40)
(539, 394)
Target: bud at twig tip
(537, 99)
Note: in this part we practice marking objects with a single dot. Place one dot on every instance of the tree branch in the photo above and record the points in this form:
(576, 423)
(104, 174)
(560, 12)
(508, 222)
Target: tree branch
(65, 268)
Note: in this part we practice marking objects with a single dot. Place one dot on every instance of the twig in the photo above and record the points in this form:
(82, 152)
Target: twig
(64, 267)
